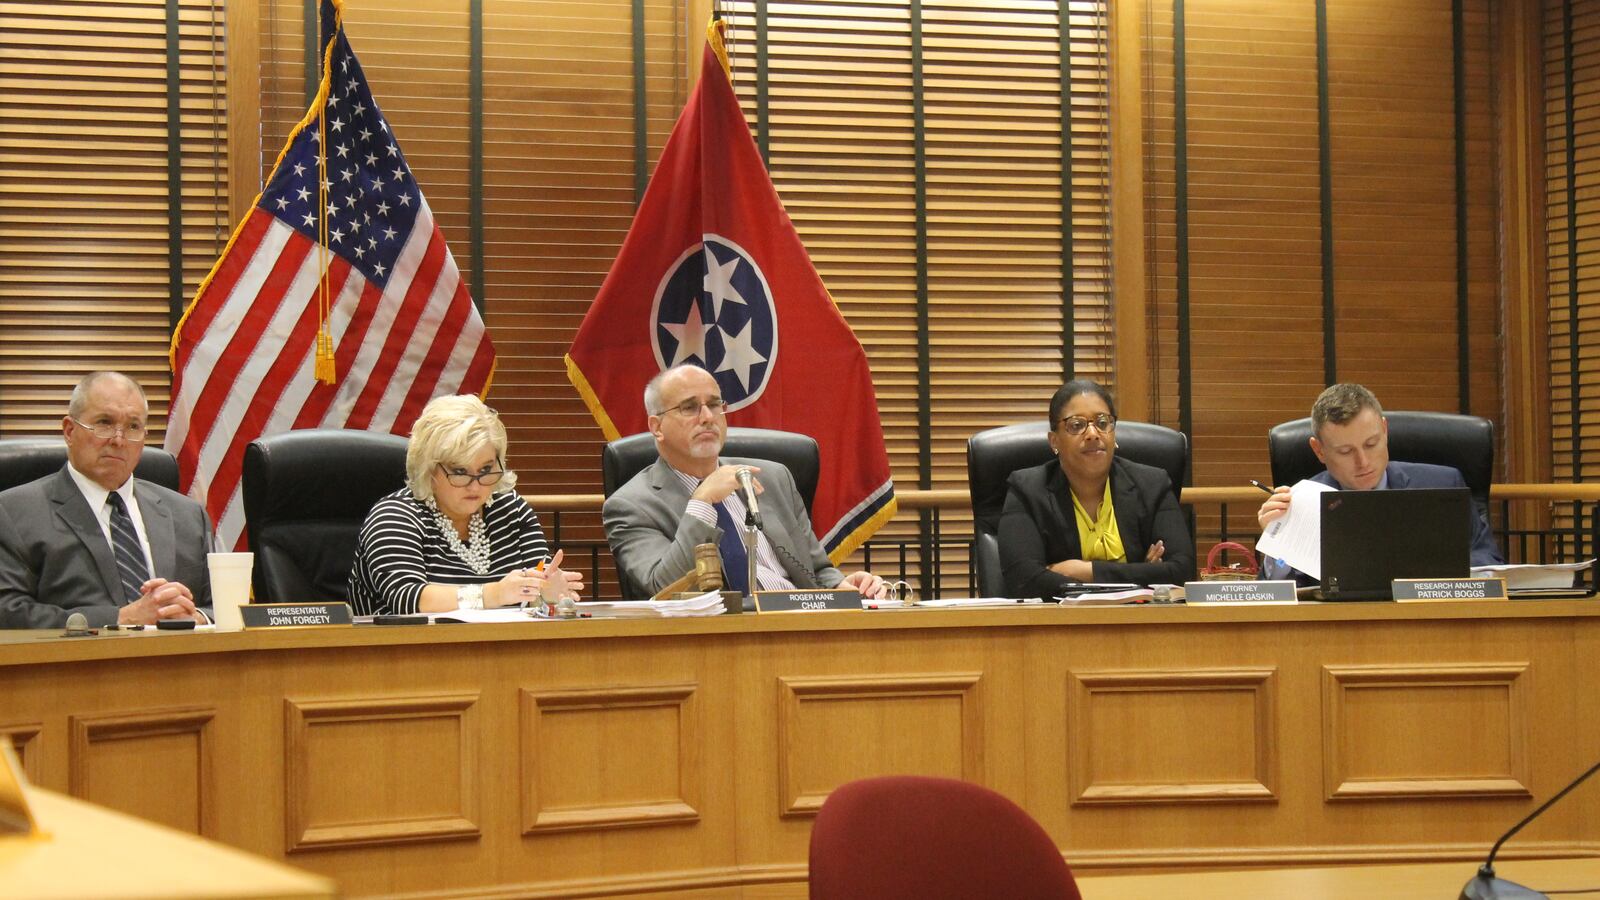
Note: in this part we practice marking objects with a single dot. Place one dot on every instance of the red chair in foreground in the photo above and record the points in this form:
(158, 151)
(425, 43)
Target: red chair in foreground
(906, 837)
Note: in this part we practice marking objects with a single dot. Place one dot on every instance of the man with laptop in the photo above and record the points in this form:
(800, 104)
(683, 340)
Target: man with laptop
(1351, 437)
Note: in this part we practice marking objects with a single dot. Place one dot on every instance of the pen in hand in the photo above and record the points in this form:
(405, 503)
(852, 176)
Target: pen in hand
(1262, 486)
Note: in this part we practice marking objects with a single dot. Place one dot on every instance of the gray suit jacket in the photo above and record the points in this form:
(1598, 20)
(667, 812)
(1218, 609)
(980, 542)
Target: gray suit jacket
(55, 560)
(653, 540)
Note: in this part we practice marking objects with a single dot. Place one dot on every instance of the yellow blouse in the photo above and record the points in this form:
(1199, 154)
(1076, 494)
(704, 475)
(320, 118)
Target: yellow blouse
(1099, 537)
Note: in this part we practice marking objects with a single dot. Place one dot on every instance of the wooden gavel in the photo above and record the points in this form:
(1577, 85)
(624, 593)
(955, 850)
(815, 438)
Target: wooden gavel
(705, 576)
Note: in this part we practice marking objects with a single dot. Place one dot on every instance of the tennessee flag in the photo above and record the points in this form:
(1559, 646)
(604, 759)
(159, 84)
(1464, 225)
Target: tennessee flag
(335, 305)
(713, 272)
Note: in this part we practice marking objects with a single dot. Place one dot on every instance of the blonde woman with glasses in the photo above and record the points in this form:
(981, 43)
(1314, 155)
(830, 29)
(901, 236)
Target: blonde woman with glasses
(457, 536)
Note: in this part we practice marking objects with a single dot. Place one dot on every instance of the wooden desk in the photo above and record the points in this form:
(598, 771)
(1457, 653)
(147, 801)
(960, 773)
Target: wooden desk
(86, 851)
(597, 758)
(1440, 881)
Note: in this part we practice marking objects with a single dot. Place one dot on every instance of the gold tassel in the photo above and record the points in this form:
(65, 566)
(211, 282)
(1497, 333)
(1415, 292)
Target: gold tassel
(325, 364)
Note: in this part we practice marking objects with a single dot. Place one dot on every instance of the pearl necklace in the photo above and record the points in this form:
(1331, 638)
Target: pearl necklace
(475, 552)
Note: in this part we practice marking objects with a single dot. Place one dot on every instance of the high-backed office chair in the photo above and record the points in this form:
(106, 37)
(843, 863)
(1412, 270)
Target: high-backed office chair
(994, 454)
(306, 494)
(908, 837)
(624, 458)
(28, 459)
(1445, 439)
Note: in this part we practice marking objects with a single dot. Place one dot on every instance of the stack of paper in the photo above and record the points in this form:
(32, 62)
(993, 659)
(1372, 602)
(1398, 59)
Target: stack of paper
(1533, 577)
(707, 604)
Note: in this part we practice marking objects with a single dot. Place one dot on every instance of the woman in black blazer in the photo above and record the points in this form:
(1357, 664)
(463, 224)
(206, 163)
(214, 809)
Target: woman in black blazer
(1086, 515)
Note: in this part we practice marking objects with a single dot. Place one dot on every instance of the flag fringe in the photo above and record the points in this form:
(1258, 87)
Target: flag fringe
(852, 542)
(591, 400)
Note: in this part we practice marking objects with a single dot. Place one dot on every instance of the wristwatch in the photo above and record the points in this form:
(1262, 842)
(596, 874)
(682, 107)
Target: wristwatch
(469, 596)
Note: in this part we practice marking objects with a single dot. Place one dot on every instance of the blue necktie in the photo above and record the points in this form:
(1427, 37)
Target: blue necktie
(131, 567)
(735, 561)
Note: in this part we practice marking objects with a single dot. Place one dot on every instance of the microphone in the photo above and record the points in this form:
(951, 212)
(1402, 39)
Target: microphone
(77, 626)
(752, 507)
(1484, 885)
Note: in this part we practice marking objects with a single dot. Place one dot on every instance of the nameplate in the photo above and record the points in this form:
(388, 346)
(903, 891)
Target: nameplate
(294, 615)
(1239, 592)
(1426, 589)
(807, 601)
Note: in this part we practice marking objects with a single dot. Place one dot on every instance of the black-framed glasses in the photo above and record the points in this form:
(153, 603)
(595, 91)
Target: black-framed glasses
(691, 407)
(1104, 423)
(462, 479)
(105, 431)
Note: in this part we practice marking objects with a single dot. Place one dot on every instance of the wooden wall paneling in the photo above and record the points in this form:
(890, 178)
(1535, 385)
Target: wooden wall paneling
(1395, 203)
(381, 770)
(1137, 362)
(1173, 735)
(818, 713)
(1520, 107)
(156, 763)
(1426, 731)
(833, 730)
(24, 740)
(570, 737)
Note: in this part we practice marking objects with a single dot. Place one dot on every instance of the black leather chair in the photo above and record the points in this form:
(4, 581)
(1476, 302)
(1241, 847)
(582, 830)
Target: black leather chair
(28, 459)
(994, 454)
(1444, 439)
(624, 458)
(306, 494)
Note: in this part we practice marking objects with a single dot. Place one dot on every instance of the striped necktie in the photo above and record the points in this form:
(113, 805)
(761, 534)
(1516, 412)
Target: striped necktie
(131, 567)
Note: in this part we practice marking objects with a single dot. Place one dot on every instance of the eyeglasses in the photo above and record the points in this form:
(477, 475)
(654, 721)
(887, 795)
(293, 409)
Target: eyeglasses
(105, 431)
(462, 479)
(691, 408)
(1104, 423)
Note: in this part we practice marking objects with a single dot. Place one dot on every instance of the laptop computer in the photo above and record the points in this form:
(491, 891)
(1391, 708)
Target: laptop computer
(1370, 538)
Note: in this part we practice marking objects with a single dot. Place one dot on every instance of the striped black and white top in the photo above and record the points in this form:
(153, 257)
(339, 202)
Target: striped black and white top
(402, 550)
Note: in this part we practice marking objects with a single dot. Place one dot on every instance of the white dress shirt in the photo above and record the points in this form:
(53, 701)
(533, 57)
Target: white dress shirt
(97, 496)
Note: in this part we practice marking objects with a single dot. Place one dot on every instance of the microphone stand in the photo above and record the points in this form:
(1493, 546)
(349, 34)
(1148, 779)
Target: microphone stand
(752, 525)
(1484, 885)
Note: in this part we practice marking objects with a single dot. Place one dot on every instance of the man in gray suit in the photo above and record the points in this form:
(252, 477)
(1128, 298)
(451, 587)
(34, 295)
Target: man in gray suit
(689, 496)
(93, 539)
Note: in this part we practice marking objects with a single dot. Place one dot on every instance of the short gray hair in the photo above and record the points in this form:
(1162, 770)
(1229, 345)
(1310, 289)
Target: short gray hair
(1341, 403)
(450, 430)
(652, 388)
(80, 393)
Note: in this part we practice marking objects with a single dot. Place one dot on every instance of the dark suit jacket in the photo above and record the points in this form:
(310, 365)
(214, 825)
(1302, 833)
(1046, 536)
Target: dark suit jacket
(1038, 528)
(55, 560)
(653, 540)
(1411, 476)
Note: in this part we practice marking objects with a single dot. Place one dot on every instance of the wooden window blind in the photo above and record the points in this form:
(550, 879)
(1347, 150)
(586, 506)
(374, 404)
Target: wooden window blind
(1572, 235)
(85, 256)
(1014, 237)
(1253, 178)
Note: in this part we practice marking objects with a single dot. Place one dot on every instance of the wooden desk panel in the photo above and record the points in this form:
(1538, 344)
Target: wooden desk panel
(687, 757)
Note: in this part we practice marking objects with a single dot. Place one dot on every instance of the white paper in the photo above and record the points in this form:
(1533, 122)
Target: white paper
(1534, 576)
(975, 602)
(1296, 538)
(481, 616)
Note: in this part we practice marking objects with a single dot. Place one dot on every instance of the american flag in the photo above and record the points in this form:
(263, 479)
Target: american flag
(401, 326)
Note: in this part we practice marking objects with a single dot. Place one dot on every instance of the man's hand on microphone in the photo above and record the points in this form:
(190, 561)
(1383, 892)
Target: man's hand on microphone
(724, 481)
